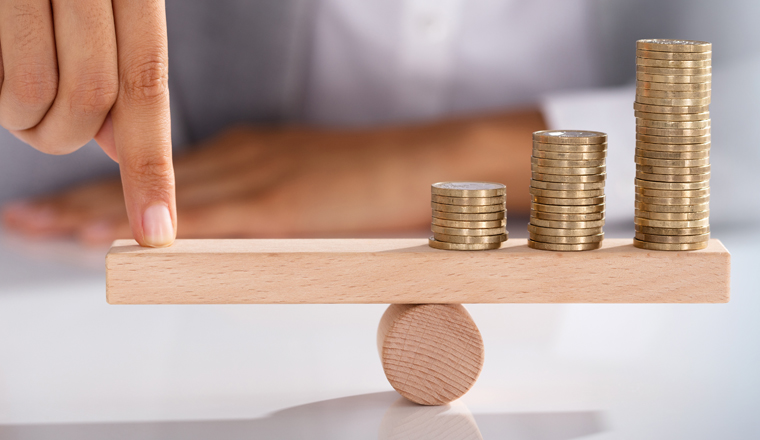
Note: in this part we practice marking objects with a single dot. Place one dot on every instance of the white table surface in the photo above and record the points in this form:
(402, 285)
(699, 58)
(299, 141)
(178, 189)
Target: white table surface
(71, 366)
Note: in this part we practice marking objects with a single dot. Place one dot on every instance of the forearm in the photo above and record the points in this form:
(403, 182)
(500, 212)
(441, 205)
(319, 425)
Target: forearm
(379, 179)
(491, 148)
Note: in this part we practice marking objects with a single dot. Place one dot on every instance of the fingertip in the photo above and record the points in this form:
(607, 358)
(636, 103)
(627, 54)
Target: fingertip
(29, 218)
(12, 211)
(157, 226)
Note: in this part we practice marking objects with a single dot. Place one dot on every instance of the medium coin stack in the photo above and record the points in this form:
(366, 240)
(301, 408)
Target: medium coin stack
(468, 216)
(567, 190)
(673, 84)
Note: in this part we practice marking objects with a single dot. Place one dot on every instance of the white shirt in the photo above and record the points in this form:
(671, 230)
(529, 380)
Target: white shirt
(409, 60)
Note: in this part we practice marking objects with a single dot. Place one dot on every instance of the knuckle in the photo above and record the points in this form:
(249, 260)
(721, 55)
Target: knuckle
(152, 170)
(146, 80)
(94, 94)
(33, 86)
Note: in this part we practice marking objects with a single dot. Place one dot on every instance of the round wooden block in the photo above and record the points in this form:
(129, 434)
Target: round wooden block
(432, 354)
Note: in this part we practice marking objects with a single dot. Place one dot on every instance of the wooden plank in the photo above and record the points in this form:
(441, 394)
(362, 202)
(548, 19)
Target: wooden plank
(408, 271)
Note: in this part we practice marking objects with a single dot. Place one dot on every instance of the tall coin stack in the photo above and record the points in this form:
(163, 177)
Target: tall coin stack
(567, 190)
(673, 80)
(468, 216)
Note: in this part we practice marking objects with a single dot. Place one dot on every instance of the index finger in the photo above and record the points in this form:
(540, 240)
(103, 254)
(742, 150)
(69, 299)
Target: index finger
(141, 120)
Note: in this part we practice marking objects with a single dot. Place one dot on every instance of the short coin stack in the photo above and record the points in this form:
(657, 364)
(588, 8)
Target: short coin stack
(567, 190)
(468, 216)
(673, 85)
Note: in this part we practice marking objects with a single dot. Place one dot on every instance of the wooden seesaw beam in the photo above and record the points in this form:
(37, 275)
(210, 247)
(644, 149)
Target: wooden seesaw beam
(430, 348)
(408, 271)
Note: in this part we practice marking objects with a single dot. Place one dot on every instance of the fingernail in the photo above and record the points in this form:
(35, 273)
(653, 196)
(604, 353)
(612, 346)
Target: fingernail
(158, 230)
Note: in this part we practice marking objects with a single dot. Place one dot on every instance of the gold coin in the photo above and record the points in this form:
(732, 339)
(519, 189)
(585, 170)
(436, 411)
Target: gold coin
(565, 137)
(672, 231)
(565, 209)
(673, 155)
(673, 102)
(672, 215)
(467, 201)
(667, 45)
(672, 224)
(464, 239)
(468, 225)
(672, 177)
(533, 229)
(671, 109)
(672, 238)
(671, 208)
(705, 123)
(471, 232)
(565, 224)
(668, 87)
(674, 64)
(475, 209)
(672, 94)
(677, 140)
(669, 246)
(672, 162)
(673, 170)
(672, 148)
(569, 156)
(674, 78)
(560, 148)
(564, 247)
(673, 117)
(463, 246)
(673, 56)
(567, 217)
(468, 189)
(673, 71)
(672, 200)
(485, 216)
(566, 163)
(567, 240)
(669, 193)
(566, 194)
(562, 186)
(588, 178)
(672, 186)
(672, 131)
(567, 202)
(568, 171)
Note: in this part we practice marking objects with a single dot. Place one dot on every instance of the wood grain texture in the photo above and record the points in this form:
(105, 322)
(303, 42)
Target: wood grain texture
(408, 271)
(432, 354)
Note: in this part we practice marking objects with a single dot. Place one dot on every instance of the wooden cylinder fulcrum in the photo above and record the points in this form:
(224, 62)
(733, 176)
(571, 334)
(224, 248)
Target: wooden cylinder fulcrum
(432, 354)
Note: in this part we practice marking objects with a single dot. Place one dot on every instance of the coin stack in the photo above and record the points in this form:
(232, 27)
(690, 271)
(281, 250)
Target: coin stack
(567, 190)
(468, 216)
(673, 79)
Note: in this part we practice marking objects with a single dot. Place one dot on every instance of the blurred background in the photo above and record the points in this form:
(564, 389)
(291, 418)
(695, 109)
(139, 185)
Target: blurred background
(72, 366)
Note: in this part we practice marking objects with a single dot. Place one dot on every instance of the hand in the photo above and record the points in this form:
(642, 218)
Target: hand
(71, 71)
(251, 183)
(302, 182)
